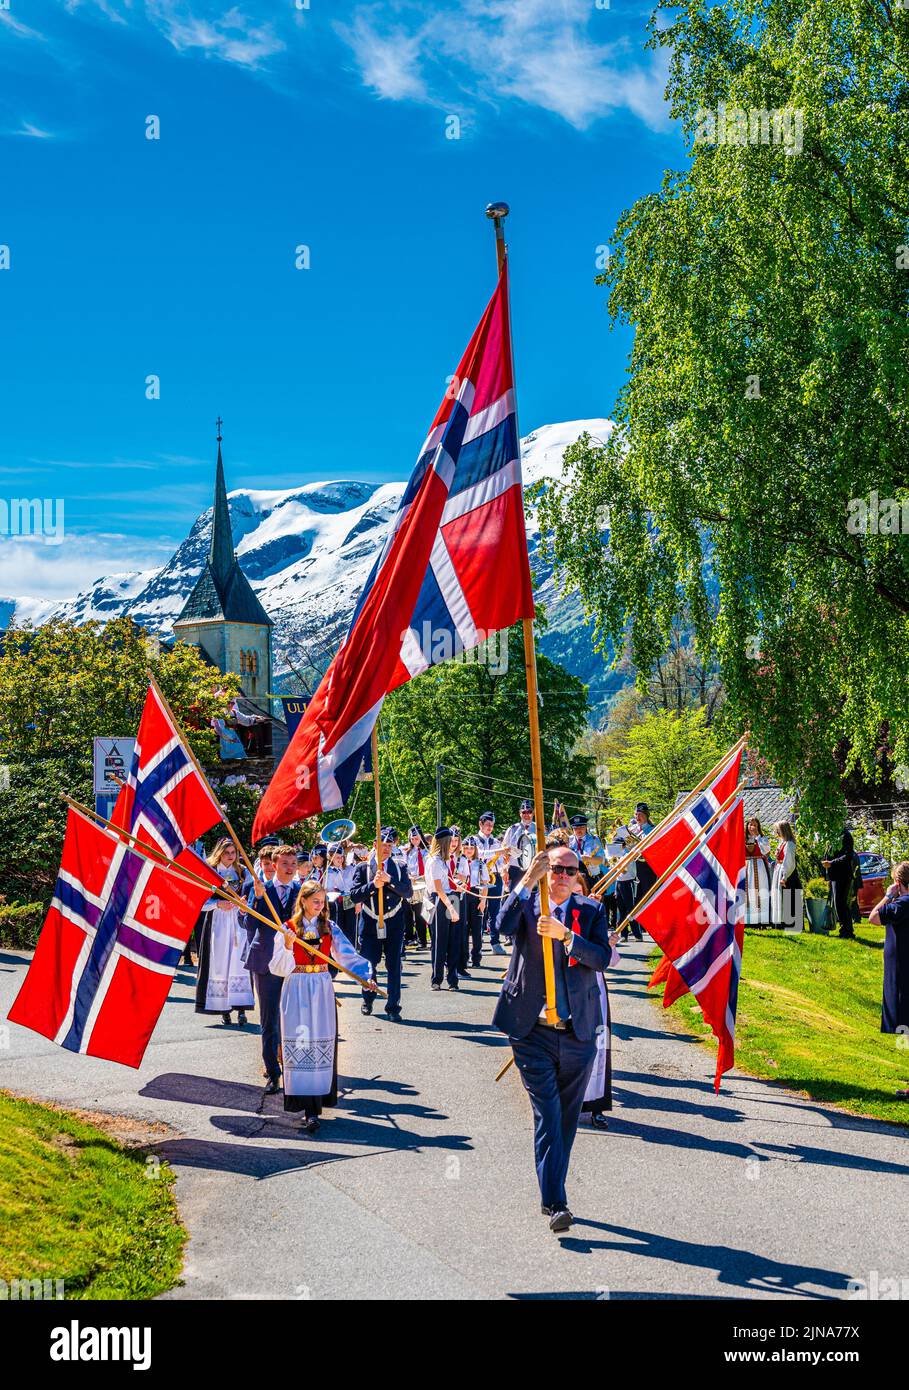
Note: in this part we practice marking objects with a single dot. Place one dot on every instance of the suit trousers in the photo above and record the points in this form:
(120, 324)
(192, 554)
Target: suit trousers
(372, 947)
(555, 1067)
(446, 945)
(268, 992)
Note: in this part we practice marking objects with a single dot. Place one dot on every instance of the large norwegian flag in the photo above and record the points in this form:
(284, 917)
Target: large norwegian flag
(665, 847)
(110, 944)
(164, 802)
(453, 570)
(697, 919)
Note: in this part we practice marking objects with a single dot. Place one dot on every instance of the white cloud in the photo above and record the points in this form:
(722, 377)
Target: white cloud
(33, 568)
(11, 25)
(562, 55)
(389, 63)
(231, 36)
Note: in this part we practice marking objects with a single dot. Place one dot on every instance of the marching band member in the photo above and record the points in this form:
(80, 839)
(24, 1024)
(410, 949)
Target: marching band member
(488, 846)
(317, 860)
(554, 1059)
(627, 882)
(476, 885)
(396, 890)
(337, 885)
(445, 911)
(521, 838)
(456, 893)
(308, 1008)
(415, 862)
(223, 983)
(587, 847)
(757, 875)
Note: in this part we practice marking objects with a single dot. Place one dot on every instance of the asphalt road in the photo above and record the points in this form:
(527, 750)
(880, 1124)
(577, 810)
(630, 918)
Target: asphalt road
(420, 1185)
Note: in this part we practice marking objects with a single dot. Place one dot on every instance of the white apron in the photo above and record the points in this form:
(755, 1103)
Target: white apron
(229, 983)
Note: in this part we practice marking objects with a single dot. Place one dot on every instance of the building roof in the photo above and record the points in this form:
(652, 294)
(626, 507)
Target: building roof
(222, 591)
(766, 800)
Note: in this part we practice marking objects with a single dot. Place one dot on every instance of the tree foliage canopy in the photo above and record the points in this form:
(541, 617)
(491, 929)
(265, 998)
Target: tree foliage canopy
(767, 287)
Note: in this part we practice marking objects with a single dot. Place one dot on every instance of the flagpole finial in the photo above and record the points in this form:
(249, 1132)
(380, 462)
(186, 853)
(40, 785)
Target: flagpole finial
(497, 211)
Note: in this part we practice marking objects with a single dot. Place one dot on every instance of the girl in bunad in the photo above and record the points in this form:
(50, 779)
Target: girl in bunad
(757, 875)
(786, 907)
(309, 1011)
(475, 876)
(223, 982)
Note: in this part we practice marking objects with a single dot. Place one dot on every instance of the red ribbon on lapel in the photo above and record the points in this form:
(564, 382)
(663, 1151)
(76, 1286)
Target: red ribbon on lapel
(575, 927)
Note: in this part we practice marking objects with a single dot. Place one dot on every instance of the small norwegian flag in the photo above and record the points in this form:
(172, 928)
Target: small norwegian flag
(111, 941)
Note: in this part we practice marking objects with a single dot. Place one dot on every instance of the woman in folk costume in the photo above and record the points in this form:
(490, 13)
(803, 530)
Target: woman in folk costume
(786, 889)
(309, 1010)
(223, 983)
(757, 875)
(598, 1095)
(476, 885)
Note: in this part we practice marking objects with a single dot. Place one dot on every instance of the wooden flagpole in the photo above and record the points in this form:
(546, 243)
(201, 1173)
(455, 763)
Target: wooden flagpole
(380, 926)
(683, 805)
(160, 861)
(497, 212)
(195, 761)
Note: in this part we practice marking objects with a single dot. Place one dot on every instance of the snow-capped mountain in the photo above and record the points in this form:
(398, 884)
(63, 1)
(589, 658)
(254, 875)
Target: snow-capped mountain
(307, 552)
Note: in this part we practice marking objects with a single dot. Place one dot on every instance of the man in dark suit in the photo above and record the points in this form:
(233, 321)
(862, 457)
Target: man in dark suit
(281, 892)
(554, 1058)
(397, 890)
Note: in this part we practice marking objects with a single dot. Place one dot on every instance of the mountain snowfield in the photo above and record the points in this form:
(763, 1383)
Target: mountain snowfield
(307, 552)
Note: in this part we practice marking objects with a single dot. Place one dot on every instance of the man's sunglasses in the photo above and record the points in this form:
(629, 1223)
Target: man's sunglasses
(562, 869)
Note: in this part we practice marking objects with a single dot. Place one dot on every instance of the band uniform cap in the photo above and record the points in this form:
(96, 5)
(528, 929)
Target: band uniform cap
(526, 805)
(487, 815)
(579, 820)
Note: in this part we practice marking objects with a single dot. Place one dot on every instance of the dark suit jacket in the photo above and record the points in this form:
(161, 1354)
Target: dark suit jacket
(260, 939)
(363, 890)
(523, 996)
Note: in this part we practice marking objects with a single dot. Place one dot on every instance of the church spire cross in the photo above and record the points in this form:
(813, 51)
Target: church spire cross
(219, 422)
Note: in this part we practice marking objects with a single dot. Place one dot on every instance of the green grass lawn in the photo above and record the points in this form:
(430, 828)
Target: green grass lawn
(808, 1016)
(78, 1206)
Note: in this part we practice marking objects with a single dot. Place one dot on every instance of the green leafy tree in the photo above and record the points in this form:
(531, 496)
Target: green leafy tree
(766, 403)
(662, 755)
(60, 686)
(471, 716)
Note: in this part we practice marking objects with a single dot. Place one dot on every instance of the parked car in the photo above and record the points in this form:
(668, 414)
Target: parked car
(875, 877)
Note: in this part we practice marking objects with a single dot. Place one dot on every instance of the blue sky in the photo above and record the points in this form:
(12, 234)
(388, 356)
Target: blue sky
(281, 126)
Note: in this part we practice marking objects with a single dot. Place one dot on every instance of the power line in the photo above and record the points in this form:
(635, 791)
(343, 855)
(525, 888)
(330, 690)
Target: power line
(504, 781)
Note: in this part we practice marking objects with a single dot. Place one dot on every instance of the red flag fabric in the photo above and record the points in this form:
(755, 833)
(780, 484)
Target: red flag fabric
(429, 597)
(165, 802)
(110, 944)
(697, 919)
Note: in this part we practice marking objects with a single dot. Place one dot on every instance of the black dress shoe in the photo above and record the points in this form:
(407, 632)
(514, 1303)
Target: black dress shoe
(560, 1219)
(599, 1120)
(272, 1088)
(455, 988)
(225, 1017)
(437, 986)
(310, 1124)
(393, 1015)
(366, 1009)
(241, 1019)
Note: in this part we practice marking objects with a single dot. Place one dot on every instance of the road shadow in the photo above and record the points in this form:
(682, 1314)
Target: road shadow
(792, 1153)
(739, 1269)
(188, 1089)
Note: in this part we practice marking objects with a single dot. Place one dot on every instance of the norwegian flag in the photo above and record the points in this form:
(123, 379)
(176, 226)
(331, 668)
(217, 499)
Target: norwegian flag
(430, 595)
(665, 847)
(697, 919)
(110, 944)
(164, 802)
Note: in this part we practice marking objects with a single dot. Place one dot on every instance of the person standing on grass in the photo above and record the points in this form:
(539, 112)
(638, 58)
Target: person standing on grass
(840, 871)
(892, 913)
(786, 889)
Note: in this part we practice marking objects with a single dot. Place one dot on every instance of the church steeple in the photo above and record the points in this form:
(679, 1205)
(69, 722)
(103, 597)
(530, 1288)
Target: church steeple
(222, 592)
(221, 553)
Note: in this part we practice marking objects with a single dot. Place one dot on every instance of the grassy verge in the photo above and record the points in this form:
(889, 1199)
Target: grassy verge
(809, 1016)
(78, 1206)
